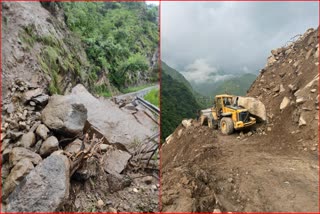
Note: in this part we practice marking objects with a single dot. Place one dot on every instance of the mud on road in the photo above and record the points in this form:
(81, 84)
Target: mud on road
(203, 171)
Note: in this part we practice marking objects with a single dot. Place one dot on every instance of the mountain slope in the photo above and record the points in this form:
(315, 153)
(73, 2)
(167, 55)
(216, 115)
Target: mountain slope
(205, 171)
(235, 85)
(175, 75)
(177, 100)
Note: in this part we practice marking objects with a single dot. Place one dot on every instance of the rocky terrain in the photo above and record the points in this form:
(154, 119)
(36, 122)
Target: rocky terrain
(75, 150)
(63, 148)
(272, 167)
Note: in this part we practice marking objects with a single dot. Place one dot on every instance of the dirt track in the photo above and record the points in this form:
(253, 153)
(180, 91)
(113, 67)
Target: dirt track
(251, 174)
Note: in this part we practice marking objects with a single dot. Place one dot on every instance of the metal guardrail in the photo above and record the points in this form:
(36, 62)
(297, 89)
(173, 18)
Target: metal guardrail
(148, 105)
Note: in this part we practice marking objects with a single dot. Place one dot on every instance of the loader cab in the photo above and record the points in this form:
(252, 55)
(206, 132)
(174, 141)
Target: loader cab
(221, 101)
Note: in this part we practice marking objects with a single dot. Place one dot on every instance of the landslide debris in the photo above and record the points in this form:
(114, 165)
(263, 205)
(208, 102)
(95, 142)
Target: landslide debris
(58, 157)
(270, 168)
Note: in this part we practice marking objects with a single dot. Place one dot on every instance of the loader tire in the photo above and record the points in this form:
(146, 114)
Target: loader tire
(226, 126)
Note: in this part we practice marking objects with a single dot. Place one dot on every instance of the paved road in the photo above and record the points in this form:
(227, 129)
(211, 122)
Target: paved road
(140, 93)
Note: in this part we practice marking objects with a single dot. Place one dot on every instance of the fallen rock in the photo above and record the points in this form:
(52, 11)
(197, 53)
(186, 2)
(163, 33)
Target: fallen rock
(117, 182)
(302, 122)
(115, 161)
(254, 106)
(74, 146)
(64, 115)
(88, 169)
(148, 179)
(28, 140)
(285, 102)
(271, 60)
(100, 203)
(300, 100)
(28, 95)
(42, 131)
(18, 172)
(187, 123)
(13, 135)
(282, 88)
(168, 139)
(19, 153)
(44, 189)
(41, 100)
(49, 145)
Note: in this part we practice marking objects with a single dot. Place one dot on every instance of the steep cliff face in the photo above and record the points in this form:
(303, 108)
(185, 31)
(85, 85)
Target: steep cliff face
(38, 48)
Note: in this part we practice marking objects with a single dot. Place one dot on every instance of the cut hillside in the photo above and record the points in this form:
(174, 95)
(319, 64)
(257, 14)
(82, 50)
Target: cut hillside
(272, 167)
(64, 146)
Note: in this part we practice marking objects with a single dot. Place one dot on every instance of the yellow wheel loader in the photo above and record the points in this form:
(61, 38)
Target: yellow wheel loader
(226, 115)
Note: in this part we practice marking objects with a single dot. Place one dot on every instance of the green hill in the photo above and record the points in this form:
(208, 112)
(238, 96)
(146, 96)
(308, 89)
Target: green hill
(175, 75)
(237, 85)
(177, 100)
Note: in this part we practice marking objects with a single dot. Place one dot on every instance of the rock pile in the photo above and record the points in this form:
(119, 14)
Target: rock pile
(288, 86)
(45, 141)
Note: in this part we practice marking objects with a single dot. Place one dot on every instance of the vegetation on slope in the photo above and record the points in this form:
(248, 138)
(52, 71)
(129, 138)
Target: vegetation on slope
(153, 97)
(120, 39)
(177, 102)
(236, 85)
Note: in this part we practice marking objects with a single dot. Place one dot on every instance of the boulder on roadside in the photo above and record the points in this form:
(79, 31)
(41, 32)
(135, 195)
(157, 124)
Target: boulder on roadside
(50, 145)
(254, 106)
(42, 131)
(65, 116)
(19, 153)
(18, 172)
(44, 189)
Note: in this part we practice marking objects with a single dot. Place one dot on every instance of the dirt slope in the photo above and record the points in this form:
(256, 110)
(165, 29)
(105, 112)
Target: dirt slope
(274, 167)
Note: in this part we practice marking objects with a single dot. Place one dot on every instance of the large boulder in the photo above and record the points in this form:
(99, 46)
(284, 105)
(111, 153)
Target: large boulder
(19, 153)
(64, 115)
(18, 172)
(44, 189)
(254, 106)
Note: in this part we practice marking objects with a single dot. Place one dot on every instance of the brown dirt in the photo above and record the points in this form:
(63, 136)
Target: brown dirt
(252, 174)
(275, 169)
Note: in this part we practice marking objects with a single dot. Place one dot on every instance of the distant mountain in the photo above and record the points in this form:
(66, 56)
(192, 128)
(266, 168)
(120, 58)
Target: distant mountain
(175, 75)
(237, 85)
(177, 100)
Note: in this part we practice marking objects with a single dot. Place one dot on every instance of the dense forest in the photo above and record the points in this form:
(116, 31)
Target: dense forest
(120, 39)
(177, 100)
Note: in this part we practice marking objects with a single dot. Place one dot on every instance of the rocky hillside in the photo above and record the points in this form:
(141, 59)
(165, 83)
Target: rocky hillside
(63, 148)
(288, 86)
(62, 44)
(205, 171)
(39, 48)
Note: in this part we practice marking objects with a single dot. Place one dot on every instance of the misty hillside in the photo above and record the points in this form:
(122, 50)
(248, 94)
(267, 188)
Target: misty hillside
(236, 85)
(177, 100)
(175, 75)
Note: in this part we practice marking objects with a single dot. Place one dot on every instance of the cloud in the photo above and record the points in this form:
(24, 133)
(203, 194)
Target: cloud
(235, 37)
(200, 71)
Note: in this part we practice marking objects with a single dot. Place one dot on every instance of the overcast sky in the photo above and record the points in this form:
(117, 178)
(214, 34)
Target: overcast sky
(202, 38)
